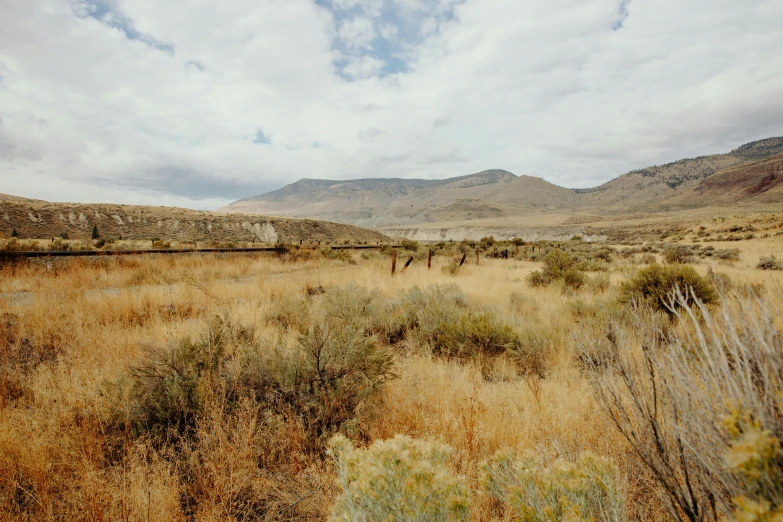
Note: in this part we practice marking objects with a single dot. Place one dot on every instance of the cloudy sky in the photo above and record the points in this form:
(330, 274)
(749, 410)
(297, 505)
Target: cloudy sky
(197, 103)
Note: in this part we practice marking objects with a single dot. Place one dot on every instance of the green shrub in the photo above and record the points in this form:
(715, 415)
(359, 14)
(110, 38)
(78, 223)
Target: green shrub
(558, 266)
(401, 479)
(408, 244)
(58, 245)
(655, 285)
(320, 383)
(536, 279)
(486, 242)
(171, 385)
(573, 279)
(678, 254)
(474, 334)
(583, 491)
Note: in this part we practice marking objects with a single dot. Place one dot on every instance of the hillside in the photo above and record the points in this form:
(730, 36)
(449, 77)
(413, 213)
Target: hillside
(43, 220)
(381, 202)
(664, 181)
(497, 193)
(756, 182)
(9, 198)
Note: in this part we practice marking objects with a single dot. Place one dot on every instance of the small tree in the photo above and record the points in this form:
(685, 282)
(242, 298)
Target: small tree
(95, 234)
(14, 233)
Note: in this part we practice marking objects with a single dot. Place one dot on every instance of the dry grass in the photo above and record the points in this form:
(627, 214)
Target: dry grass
(73, 331)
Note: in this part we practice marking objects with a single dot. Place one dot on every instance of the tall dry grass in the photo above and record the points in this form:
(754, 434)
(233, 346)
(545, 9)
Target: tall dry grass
(78, 365)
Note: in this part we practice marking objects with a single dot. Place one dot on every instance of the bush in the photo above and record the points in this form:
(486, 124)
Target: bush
(318, 383)
(401, 479)
(58, 245)
(536, 279)
(678, 254)
(655, 286)
(158, 244)
(558, 265)
(581, 491)
(703, 402)
(769, 263)
(410, 245)
(474, 334)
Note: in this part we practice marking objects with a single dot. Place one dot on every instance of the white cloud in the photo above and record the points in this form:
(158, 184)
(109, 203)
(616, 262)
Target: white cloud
(357, 32)
(362, 67)
(538, 88)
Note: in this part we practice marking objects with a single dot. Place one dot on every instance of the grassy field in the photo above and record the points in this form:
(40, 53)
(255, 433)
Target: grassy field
(209, 387)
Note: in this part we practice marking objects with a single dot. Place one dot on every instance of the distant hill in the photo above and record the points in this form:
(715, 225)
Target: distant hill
(665, 181)
(756, 182)
(17, 199)
(381, 202)
(494, 193)
(33, 219)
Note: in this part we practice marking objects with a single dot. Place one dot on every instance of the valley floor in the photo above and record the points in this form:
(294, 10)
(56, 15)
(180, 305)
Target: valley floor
(208, 387)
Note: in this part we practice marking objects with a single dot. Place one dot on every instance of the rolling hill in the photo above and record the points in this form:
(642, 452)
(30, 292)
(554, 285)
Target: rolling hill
(500, 194)
(371, 202)
(32, 219)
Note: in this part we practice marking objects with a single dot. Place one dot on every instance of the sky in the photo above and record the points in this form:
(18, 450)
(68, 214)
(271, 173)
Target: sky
(198, 103)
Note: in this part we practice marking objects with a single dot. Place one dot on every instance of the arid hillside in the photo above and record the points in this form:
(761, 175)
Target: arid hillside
(371, 202)
(661, 182)
(8, 197)
(43, 220)
(757, 182)
(500, 194)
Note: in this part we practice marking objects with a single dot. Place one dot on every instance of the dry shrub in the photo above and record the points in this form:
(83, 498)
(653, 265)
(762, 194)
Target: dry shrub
(769, 263)
(288, 311)
(701, 407)
(679, 254)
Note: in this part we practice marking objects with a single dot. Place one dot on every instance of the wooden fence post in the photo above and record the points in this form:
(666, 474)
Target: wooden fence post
(429, 259)
(394, 261)
(494, 252)
(463, 258)
(407, 263)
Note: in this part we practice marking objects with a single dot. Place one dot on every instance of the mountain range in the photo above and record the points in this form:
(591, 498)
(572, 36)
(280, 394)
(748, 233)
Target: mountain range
(496, 193)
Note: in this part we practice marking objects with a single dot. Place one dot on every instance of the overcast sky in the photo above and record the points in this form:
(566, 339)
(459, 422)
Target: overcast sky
(197, 103)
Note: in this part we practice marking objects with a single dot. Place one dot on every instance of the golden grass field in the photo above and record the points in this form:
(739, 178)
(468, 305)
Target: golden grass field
(74, 331)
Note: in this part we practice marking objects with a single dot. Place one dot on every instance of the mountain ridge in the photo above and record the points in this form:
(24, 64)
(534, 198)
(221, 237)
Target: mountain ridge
(496, 192)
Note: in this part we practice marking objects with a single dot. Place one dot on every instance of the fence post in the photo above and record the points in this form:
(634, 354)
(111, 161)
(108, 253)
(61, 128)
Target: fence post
(463, 258)
(477, 258)
(429, 259)
(494, 252)
(394, 261)
(407, 263)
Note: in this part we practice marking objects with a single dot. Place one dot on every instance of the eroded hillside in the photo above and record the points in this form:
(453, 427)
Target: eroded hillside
(42, 220)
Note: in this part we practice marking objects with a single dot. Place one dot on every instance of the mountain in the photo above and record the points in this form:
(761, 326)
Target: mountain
(654, 184)
(497, 193)
(36, 219)
(756, 182)
(381, 202)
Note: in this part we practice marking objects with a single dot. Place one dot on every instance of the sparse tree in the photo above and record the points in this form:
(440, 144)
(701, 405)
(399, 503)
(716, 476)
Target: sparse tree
(14, 233)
